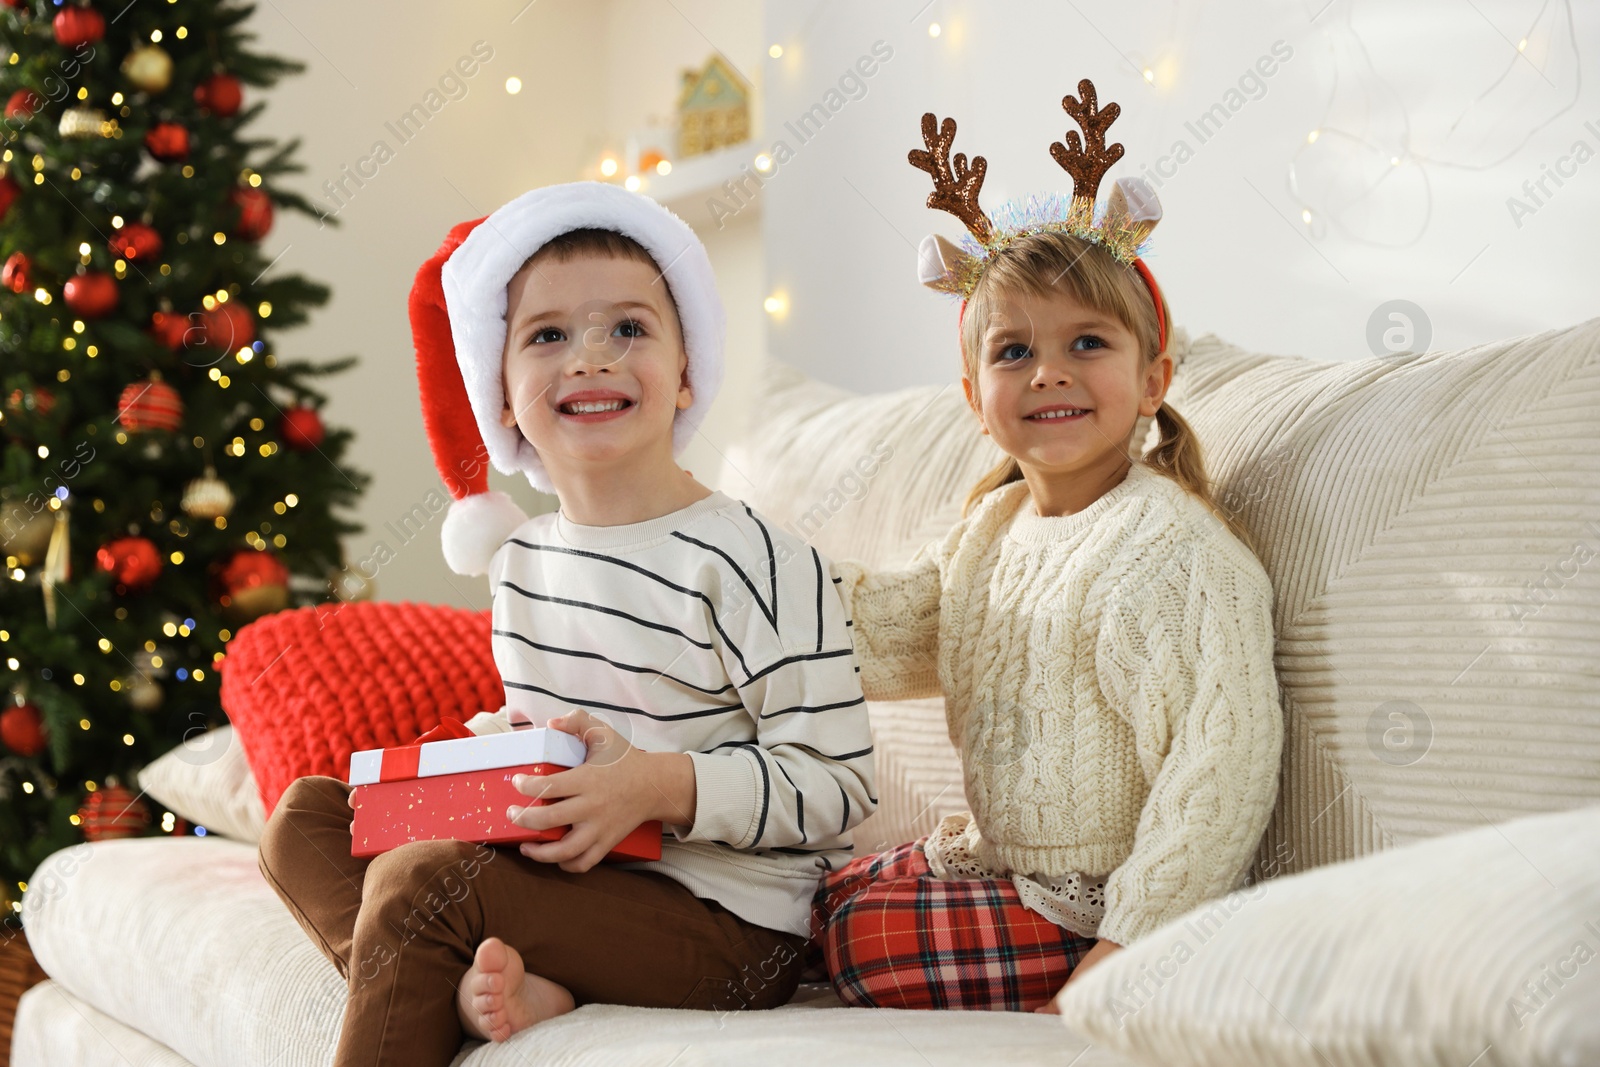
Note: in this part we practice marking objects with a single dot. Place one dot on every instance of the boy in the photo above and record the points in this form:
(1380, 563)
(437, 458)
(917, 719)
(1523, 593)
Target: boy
(701, 652)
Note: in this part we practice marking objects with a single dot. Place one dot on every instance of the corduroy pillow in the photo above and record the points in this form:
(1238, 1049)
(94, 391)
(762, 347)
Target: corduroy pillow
(207, 781)
(1474, 948)
(1428, 522)
(305, 688)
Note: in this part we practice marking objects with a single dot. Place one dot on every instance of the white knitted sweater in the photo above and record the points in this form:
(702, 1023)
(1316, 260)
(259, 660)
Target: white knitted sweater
(1109, 684)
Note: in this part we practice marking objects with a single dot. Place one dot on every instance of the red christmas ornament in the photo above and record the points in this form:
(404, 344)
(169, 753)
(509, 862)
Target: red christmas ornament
(170, 328)
(111, 812)
(150, 405)
(136, 242)
(14, 275)
(228, 326)
(23, 103)
(254, 583)
(255, 212)
(78, 25)
(219, 94)
(9, 191)
(38, 400)
(167, 141)
(91, 294)
(134, 563)
(301, 429)
(22, 730)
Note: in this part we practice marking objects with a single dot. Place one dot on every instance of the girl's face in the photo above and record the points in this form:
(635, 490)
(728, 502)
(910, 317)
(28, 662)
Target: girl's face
(594, 364)
(1060, 386)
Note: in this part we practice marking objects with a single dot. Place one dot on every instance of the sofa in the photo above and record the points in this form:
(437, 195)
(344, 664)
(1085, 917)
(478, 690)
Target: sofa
(1421, 893)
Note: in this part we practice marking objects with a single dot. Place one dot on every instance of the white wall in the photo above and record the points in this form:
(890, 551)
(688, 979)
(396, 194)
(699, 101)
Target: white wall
(835, 226)
(648, 42)
(1438, 85)
(589, 71)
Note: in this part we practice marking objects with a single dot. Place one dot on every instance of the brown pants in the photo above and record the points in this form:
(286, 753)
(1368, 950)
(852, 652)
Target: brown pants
(402, 928)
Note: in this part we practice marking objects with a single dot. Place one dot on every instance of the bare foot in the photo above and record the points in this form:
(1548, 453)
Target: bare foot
(498, 998)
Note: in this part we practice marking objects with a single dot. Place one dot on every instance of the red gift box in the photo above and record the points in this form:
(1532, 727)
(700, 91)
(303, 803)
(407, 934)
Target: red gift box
(458, 789)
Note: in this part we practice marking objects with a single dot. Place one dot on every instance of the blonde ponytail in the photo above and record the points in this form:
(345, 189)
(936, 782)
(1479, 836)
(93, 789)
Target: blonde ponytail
(1177, 455)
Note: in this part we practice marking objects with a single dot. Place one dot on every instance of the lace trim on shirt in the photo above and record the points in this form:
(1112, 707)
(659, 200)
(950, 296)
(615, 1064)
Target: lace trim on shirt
(1073, 901)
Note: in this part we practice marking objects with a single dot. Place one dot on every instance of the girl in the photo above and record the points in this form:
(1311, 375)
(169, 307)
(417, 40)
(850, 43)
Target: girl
(1102, 638)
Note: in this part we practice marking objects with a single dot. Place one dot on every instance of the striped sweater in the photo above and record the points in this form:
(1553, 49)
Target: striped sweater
(709, 631)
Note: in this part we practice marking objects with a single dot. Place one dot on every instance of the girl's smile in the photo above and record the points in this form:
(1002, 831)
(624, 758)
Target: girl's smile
(1057, 413)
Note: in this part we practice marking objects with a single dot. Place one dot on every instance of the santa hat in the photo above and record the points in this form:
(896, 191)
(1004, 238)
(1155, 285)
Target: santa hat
(458, 322)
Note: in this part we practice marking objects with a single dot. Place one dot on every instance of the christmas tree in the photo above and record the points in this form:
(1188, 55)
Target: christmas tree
(166, 476)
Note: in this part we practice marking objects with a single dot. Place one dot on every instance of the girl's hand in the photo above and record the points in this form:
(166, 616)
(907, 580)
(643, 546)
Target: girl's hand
(1101, 950)
(615, 789)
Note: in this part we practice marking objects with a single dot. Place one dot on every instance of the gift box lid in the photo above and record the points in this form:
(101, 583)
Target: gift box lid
(537, 744)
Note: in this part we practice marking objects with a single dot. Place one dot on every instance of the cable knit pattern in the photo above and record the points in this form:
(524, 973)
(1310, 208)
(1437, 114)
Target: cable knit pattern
(1109, 684)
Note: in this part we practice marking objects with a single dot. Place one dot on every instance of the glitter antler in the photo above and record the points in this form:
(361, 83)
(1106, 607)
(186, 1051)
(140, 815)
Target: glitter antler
(1087, 161)
(955, 188)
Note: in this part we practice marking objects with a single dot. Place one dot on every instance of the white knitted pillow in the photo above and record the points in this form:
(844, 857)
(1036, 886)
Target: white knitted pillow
(1431, 525)
(1477, 948)
(208, 782)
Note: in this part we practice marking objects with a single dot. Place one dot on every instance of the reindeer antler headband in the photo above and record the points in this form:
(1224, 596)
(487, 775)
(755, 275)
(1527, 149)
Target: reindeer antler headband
(1132, 210)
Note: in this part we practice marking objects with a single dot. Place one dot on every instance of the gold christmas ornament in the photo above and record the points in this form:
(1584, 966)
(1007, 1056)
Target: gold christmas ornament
(57, 564)
(350, 584)
(207, 497)
(86, 122)
(149, 68)
(143, 692)
(24, 533)
(142, 689)
(252, 603)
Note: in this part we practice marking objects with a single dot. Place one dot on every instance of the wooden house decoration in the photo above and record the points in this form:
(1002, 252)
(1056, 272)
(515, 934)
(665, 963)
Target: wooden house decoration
(713, 108)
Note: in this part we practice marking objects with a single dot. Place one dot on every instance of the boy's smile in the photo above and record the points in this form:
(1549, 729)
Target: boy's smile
(594, 405)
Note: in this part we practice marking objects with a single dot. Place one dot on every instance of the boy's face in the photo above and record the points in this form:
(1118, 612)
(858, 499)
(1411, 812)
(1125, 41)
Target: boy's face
(594, 366)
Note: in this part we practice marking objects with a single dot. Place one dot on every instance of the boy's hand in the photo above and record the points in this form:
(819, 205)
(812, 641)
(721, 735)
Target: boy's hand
(615, 789)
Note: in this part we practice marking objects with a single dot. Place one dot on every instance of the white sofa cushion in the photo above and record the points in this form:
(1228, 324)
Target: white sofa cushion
(54, 1028)
(1480, 947)
(207, 781)
(184, 941)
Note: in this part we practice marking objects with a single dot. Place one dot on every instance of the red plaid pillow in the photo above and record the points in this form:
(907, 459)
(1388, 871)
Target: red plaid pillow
(305, 688)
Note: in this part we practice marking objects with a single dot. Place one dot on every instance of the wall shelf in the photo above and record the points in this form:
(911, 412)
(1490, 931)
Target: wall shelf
(697, 179)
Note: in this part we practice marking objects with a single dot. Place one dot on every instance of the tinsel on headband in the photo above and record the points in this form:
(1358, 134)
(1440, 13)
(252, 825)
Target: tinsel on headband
(1041, 213)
